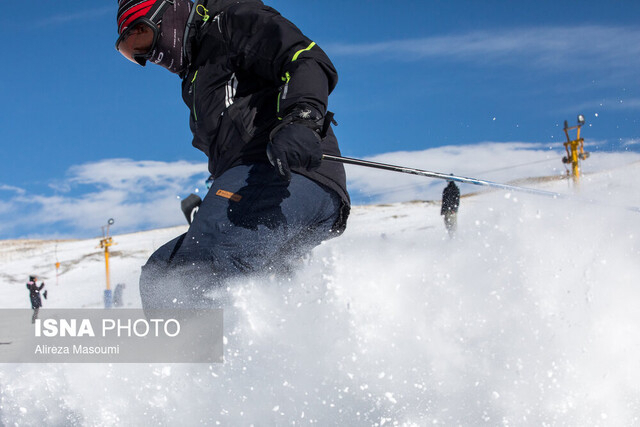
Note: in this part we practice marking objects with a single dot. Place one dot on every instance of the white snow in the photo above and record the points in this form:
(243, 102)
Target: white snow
(528, 317)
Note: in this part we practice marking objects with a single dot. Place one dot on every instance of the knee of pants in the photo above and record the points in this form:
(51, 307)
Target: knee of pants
(170, 287)
(167, 284)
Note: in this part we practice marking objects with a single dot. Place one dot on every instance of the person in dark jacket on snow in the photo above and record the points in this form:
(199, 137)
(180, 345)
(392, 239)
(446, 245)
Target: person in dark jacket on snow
(450, 204)
(34, 296)
(257, 89)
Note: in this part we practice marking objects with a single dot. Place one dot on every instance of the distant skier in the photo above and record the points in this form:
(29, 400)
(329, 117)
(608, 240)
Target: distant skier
(34, 296)
(257, 90)
(450, 204)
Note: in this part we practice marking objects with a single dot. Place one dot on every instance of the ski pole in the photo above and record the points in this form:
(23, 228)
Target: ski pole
(438, 175)
(451, 177)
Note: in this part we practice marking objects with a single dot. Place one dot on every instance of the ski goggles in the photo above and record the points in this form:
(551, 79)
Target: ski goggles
(139, 40)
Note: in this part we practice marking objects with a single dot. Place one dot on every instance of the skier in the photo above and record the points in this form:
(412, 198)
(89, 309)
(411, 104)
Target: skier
(450, 204)
(257, 90)
(34, 296)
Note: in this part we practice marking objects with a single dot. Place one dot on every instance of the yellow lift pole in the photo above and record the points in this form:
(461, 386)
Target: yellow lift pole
(575, 148)
(105, 243)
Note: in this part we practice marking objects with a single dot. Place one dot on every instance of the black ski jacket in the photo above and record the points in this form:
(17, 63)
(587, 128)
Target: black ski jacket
(450, 199)
(34, 294)
(248, 67)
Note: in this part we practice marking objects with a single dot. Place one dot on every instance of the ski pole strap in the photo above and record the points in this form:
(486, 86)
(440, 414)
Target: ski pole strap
(328, 121)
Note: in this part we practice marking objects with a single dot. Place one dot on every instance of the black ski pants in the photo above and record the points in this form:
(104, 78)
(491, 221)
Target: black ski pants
(251, 221)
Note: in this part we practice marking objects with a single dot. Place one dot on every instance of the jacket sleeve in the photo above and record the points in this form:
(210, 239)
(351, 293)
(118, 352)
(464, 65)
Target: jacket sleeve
(262, 42)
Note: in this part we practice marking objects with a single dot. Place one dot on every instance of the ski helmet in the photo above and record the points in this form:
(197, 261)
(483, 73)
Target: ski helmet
(131, 13)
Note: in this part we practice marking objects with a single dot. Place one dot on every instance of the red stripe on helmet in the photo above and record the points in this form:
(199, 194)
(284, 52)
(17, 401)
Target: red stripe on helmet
(133, 13)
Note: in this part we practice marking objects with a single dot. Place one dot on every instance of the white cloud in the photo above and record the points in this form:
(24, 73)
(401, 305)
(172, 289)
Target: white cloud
(135, 176)
(138, 194)
(18, 190)
(550, 48)
(630, 142)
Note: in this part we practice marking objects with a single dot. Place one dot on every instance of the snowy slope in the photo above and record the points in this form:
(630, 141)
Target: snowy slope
(81, 277)
(528, 317)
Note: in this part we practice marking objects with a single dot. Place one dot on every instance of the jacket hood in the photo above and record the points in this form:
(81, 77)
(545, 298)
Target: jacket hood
(210, 8)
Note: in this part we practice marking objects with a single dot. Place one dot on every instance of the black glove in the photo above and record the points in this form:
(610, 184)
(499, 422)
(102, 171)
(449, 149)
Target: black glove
(295, 143)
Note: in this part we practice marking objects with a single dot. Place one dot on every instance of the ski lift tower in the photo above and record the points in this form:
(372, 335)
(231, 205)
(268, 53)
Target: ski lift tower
(575, 149)
(105, 243)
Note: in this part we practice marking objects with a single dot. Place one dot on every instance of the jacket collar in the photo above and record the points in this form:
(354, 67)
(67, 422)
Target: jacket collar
(196, 21)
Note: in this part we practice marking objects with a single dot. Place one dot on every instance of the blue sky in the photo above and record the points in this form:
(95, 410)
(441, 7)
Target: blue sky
(413, 75)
